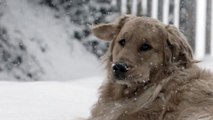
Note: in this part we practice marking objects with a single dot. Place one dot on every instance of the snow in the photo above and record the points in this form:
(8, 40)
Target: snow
(48, 100)
(206, 63)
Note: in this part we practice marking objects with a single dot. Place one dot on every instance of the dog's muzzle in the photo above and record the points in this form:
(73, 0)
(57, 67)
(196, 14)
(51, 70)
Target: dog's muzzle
(119, 70)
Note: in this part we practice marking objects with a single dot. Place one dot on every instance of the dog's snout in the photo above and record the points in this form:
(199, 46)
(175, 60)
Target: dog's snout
(120, 67)
(119, 70)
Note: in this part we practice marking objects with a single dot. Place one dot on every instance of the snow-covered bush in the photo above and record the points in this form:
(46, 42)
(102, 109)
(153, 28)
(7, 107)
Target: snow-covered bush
(37, 44)
(84, 13)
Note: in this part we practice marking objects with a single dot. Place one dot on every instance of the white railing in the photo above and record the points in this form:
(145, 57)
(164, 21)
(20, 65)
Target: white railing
(134, 7)
(154, 12)
(200, 31)
(200, 28)
(144, 7)
(211, 48)
(166, 11)
(176, 12)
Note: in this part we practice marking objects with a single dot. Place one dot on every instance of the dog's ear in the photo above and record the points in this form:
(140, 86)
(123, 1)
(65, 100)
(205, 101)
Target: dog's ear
(105, 31)
(109, 31)
(177, 49)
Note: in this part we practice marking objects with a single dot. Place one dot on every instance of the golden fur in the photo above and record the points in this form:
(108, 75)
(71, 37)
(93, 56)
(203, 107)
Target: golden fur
(163, 83)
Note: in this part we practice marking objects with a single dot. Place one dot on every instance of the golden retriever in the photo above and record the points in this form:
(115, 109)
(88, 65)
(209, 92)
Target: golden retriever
(152, 74)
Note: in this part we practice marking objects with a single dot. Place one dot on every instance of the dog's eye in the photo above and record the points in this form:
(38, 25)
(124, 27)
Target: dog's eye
(122, 42)
(145, 47)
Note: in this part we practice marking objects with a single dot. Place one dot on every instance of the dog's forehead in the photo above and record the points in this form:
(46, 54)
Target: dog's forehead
(142, 24)
(143, 20)
(142, 28)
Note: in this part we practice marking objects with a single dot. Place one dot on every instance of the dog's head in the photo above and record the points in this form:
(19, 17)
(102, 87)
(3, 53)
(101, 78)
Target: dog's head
(142, 47)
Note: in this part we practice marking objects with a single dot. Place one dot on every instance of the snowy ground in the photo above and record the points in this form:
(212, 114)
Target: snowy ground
(47, 100)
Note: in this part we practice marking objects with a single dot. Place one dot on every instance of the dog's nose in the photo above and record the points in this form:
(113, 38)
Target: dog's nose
(119, 69)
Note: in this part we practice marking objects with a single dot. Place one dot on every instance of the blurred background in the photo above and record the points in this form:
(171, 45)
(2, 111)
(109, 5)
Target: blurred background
(51, 41)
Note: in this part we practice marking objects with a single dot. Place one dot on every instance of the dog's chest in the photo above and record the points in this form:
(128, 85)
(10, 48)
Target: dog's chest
(153, 112)
(159, 109)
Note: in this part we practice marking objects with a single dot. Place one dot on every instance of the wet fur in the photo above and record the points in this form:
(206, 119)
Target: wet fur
(177, 89)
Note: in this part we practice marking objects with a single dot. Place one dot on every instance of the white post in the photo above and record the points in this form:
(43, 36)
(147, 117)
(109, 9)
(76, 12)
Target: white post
(200, 29)
(154, 13)
(176, 12)
(211, 46)
(166, 11)
(123, 6)
(113, 2)
(144, 7)
(134, 7)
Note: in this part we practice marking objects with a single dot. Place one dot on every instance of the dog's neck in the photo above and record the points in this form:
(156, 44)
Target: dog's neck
(112, 91)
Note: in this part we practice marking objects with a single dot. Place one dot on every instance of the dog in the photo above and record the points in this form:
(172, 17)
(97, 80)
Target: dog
(151, 74)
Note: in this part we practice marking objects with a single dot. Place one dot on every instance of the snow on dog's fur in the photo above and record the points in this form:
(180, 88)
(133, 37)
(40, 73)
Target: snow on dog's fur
(152, 74)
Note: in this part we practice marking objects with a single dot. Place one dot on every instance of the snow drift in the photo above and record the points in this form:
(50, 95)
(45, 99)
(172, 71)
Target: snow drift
(48, 100)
